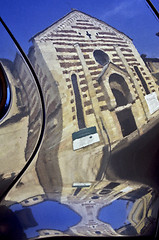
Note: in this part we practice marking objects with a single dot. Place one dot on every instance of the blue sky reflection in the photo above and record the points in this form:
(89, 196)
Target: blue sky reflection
(134, 18)
(116, 213)
(50, 215)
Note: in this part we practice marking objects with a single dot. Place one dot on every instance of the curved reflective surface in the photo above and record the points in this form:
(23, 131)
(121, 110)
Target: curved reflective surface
(96, 170)
(21, 113)
(125, 210)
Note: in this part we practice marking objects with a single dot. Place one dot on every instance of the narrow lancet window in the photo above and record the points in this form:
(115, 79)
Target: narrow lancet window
(79, 108)
(142, 80)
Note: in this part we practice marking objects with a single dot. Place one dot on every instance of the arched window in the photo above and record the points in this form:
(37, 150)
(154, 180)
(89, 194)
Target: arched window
(120, 98)
(142, 79)
(80, 117)
(101, 57)
(120, 89)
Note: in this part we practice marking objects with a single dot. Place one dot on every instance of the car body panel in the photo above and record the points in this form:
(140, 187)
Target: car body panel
(52, 186)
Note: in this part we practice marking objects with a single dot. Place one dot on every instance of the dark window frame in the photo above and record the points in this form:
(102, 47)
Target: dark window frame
(101, 57)
(79, 107)
(144, 84)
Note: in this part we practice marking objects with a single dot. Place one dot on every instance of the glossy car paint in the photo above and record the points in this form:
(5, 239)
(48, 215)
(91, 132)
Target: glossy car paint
(123, 199)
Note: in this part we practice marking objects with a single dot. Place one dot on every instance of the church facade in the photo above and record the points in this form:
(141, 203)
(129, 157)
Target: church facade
(103, 91)
(98, 94)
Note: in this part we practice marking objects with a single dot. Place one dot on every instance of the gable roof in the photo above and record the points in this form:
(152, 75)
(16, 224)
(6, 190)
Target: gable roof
(69, 14)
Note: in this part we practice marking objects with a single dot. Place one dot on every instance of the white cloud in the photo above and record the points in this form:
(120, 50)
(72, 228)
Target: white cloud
(124, 8)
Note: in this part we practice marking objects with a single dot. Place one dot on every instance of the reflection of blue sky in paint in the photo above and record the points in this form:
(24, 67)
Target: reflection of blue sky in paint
(50, 215)
(116, 213)
(8, 97)
(134, 18)
(7, 47)
(7, 103)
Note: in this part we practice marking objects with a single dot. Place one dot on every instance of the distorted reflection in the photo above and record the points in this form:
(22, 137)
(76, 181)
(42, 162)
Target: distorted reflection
(46, 215)
(118, 208)
(123, 210)
(96, 170)
(20, 112)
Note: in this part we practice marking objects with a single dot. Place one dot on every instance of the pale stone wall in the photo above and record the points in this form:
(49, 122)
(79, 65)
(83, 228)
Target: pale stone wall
(67, 48)
(20, 130)
(14, 133)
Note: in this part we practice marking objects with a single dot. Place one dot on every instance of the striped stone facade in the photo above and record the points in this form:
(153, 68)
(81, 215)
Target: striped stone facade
(29, 97)
(67, 49)
(20, 128)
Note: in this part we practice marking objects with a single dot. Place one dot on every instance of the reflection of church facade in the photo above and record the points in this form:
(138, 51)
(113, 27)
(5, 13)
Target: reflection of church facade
(105, 91)
(101, 78)
(97, 92)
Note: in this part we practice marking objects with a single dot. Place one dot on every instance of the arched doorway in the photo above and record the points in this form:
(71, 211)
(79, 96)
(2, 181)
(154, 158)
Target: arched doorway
(122, 96)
